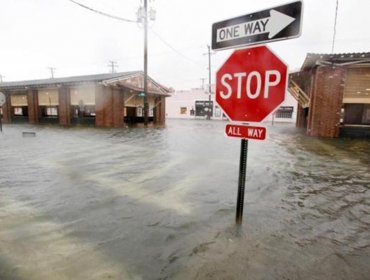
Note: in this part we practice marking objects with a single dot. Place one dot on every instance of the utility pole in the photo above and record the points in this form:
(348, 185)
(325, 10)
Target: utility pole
(112, 64)
(209, 81)
(202, 79)
(146, 105)
(52, 69)
(1, 78)
(142, 16)
(335, 27)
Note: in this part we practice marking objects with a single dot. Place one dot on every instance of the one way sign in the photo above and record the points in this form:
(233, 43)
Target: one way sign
(278, 23)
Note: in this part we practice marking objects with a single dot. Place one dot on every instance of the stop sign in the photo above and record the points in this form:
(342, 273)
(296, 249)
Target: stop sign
(251, 84)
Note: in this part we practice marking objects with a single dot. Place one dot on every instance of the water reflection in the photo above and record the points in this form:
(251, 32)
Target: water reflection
(86, 203)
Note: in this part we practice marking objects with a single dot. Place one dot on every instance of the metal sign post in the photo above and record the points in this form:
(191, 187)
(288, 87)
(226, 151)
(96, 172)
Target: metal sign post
(241, 184)
(252, 82)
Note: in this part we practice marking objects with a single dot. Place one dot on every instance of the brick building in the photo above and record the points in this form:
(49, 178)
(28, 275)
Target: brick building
(103, 100)
(333, 93)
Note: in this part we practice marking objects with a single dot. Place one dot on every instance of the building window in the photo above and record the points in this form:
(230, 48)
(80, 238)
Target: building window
(139, 111)
(366, 114)
(217, 112)
(284, 112)
(192, 111)
(183, 110)
(356, 114)
(203, 108)
(18, 111)
(89, 111)
(52, 111)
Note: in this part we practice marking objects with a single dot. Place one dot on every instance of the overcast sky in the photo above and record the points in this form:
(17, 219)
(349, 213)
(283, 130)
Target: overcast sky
(37, 34)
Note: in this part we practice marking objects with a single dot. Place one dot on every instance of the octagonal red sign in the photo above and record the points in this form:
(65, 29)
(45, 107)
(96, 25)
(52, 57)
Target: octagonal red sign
(251, 84)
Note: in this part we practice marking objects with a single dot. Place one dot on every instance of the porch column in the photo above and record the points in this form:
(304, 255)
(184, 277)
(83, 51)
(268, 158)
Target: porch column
(326, 102)
(33, 106)
(64, 106)
(160, 110)
(118, 105)
(7, 113)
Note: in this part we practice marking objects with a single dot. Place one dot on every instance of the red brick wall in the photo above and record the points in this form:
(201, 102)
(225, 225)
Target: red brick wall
(160, 110)
(162, 118)
(326, 102)
(64, 106)
(33, 106)
(301, 119)
(7, 115)
(101, 102)
(118, 108)
(108, 107)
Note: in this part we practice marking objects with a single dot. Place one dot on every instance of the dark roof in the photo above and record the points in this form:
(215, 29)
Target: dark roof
(315, 59)
(66, 80)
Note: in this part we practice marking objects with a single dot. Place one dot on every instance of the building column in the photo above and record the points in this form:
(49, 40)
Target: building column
(109, 106)
(326, 102)
(7, 113)
(103, 101)
(300, 120)
(117, 108)
(33, 106)
(64, 112)
(160, 110)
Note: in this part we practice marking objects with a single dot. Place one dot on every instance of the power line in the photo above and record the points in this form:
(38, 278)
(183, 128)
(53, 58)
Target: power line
(102, 13)
(172, 48)
(136, 21)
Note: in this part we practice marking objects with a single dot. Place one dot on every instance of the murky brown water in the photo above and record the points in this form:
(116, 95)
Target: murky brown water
(85, 203)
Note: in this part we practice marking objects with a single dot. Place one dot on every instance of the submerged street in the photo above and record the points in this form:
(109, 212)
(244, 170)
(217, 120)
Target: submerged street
(159, 203)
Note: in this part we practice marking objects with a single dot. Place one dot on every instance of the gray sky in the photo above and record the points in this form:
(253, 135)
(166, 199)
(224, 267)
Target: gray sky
(37, 34)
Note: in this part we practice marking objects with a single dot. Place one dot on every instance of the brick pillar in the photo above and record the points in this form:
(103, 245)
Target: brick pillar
(7, 109)
(104, 106)
(33, 106)
(301, 122)
(99, 105)
(160, 110)
(64, 113)
(326, 102)
(117, 108)
(156, 109)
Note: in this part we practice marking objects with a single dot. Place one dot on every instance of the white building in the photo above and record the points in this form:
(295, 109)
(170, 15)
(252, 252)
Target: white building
(287, 112)
(194, 104)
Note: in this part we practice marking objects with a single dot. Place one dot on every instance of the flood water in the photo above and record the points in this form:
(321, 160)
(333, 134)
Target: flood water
(159, 203)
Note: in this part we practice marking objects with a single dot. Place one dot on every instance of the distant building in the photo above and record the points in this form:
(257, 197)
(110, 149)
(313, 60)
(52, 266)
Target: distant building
(192, 104)
(287, 111)
(333, 92)
(103, 100)
(195, 104)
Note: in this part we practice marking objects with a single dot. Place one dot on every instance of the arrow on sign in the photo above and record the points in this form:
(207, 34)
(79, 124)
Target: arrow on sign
(272, 25)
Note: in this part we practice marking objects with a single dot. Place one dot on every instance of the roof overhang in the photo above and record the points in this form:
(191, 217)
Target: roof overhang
(136, 82)
(313, 60)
